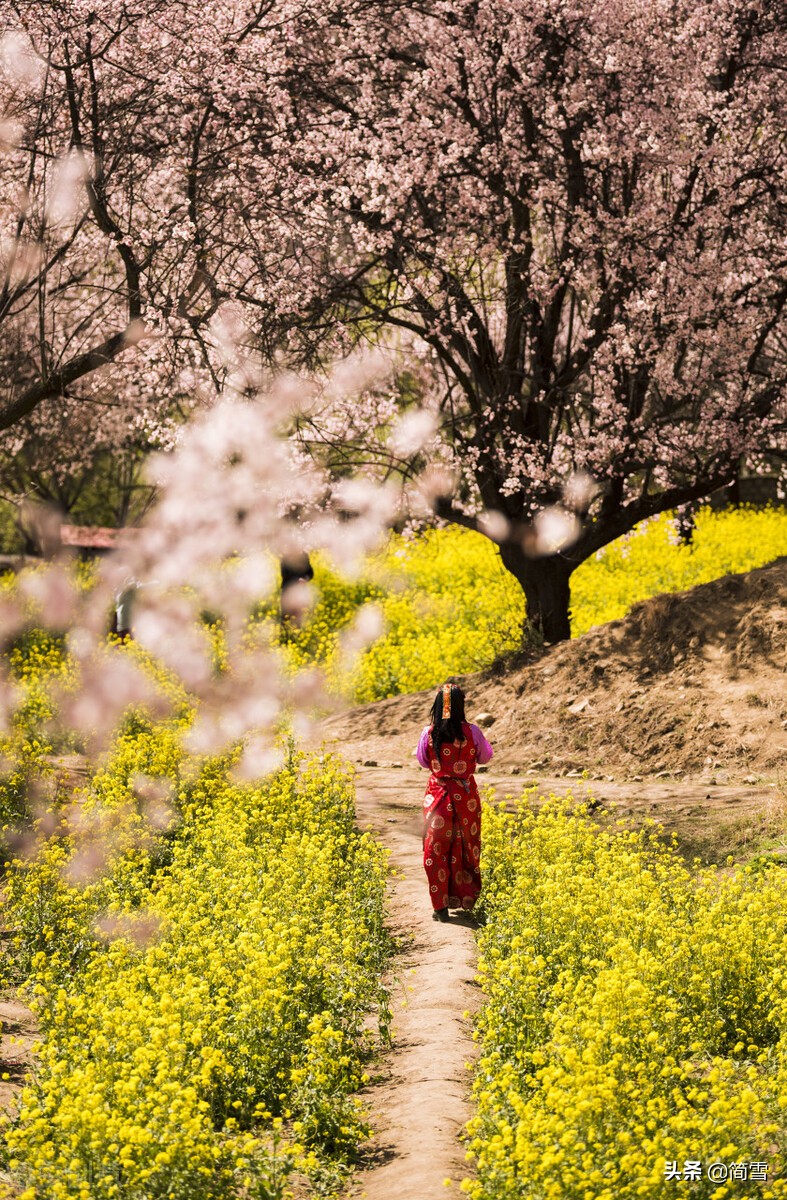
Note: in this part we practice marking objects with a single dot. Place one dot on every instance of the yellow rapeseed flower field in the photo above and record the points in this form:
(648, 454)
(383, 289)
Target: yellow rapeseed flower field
(635, 1018)
(204, 1039)
(203, 956)
(450, 607)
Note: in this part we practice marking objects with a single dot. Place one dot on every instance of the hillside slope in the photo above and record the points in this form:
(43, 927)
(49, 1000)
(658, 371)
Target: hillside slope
(692, 683)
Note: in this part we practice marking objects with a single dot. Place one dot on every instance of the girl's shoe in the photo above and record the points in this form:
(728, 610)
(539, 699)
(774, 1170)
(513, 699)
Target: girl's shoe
(440, 914)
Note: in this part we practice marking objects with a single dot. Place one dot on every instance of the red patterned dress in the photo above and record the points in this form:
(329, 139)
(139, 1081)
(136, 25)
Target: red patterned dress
(452, 824)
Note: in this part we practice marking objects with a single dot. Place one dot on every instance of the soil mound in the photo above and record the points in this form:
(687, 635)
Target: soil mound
(688, 683)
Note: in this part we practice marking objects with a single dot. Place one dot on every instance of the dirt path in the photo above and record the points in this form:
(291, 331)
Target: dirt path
(419, 1101)
(19, 1032)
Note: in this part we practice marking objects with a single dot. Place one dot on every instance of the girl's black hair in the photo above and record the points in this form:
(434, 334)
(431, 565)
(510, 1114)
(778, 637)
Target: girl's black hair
(450, 730)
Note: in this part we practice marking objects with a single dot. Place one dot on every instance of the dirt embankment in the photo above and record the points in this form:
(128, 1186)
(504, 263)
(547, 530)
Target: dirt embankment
(691, 685)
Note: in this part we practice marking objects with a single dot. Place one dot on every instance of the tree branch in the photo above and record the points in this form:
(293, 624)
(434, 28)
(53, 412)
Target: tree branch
(56, 383)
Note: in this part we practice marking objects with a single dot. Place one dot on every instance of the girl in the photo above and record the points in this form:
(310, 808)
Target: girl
(451, 749)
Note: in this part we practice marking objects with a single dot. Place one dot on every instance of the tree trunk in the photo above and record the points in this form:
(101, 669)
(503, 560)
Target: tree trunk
(545, 582)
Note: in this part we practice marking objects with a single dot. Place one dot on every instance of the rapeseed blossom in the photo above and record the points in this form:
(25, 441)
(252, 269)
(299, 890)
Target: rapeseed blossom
(202, 955)
(635, 1014)
(448, 606)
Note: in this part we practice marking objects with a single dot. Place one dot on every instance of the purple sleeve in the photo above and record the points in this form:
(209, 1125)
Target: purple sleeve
(483, 750)
(422, 752)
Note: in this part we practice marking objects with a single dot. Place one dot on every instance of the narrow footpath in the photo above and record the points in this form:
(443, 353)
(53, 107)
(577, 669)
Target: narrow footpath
(419, 1100)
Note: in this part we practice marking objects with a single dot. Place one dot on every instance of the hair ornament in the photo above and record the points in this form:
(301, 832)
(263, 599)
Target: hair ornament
(446, 701)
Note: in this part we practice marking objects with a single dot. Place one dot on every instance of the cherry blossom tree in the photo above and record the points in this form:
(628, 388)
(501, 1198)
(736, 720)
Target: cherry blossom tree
(577, 211)
(569, 215)
(85, 456)
(129, 214)
(131, 231)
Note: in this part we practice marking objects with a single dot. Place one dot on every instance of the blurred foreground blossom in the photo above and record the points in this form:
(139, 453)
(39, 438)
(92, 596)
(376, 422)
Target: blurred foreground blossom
(10, 133)
(54, 594)
(412, 431)
(109, 683)
(42, 523)
(494, 525)
(251, 575)
(235, 503)
(155, 799)
(555, 530)
(169, 629)
(140, 928)
(19, 61)
(579, 492)
(258, 759)
(297, 598)
(68, 197)
(368, 625)
(353, 375)
(438, 480)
